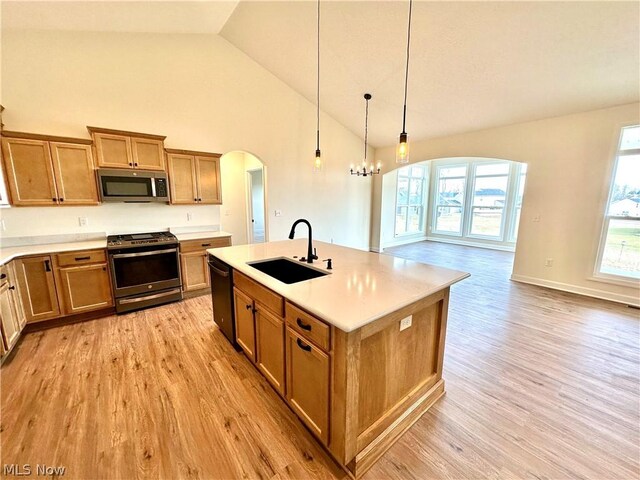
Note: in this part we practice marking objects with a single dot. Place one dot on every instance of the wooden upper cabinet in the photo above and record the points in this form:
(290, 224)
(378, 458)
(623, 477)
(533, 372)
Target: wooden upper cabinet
(75, 173)
(48, 170)
(120, 149)
(113, 151)
(148, 154)
(194, 177)
(182, 178)
(37, 288)
(29, 170)
(208, 175)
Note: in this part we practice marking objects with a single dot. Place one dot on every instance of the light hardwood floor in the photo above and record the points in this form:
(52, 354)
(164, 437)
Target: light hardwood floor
(540, 384)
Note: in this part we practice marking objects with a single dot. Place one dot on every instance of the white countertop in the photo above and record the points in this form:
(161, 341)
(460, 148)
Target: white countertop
(198, 235)
(9, 253)
(362, 287)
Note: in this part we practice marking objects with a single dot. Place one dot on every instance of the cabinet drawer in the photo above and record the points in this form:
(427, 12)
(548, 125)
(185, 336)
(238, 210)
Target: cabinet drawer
(81, 258)
(308, 326)
(269, 299)
(204, 243)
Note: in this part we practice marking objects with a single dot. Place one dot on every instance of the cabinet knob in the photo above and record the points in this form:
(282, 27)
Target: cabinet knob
(61, 199)
(54, 199)
(199, 199)
(104, 269)
(12, 287)
(249, 307)
(195, 199)
(3, 276)
(47, 266)
(130, 164)
(135, 164)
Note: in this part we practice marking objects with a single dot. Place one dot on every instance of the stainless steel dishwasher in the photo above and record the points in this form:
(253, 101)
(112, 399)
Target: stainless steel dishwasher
(222, 298)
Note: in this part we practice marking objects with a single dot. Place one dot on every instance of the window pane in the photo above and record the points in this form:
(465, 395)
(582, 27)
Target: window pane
(417, 172)
(403, 191)
(401, 220)
(415, 191)
(415, 220)
(625, 195)
(621, 255)
(630, 138)
(490, 191)
(453, 172)
(449, 219)
(523, 168)
(404, 171)
(493, 169)
(486, 221)
(451, 191)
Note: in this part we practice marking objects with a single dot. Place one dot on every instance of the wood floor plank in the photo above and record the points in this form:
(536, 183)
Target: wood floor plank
(540, 384)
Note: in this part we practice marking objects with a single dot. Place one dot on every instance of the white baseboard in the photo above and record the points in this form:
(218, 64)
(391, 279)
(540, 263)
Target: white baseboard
(470, 243)
(403, 241)
(375, 249)
(589, 292)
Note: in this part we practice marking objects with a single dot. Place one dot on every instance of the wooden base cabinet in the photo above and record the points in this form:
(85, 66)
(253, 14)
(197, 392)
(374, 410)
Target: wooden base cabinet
(308, 383)
(85, 288)
(193, 262)
(12, 319)
(357, 391)
(38, 288)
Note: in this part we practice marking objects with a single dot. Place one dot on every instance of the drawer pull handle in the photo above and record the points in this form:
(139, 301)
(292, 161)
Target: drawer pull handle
(3, 276)
(303, 325)
(303, 345)
(47, 266)
(249, 307)
(12, 287)
(78, 259)
(206, 244)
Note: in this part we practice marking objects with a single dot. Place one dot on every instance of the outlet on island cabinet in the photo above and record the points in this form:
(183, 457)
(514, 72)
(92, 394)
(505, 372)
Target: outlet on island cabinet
(45, 170)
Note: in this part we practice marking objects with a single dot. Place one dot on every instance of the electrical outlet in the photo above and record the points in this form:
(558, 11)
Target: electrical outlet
(548, 262)
(83, 221)
(2, 225)
(536, 218)
(278, 213)
(406, 322)
(189, 216)
(227, 213)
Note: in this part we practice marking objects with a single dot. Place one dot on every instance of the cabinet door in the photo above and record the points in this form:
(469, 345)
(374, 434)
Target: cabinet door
(148, 154)
(270, 347)
(245, 326)
(10, 327)
(29, 171)
(308, 383)
(182, 179)
(113, 151)
(195, 271)
(75, 174)
(208, 174)
(15, 295)
(85, 288)
(37, 288)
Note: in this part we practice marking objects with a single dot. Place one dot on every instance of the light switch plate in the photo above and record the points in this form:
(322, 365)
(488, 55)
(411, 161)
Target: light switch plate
(278, 213)
(82, 221)
(406, 322)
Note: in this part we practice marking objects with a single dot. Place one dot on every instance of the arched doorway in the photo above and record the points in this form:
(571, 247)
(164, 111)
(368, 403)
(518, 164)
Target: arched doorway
(244, 197)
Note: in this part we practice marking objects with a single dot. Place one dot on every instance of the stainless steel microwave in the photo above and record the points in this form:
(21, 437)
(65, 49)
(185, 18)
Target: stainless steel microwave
(132, 185)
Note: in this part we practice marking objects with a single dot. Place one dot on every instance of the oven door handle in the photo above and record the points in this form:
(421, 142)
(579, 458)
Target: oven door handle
(144, 254)
(149, 297)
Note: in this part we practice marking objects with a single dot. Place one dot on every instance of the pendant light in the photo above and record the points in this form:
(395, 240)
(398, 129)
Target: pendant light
(317, 163)
(402, 151)
(363, 171)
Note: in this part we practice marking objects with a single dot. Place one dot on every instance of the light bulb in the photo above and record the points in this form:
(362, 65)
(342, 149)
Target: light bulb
(402, 150)
(317, 164)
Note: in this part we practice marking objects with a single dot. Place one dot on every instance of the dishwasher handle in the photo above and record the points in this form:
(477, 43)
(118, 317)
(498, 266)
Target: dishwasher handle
(218, 271)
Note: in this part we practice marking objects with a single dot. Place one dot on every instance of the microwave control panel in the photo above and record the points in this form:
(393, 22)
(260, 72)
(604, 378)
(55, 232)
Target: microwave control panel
(161, 187)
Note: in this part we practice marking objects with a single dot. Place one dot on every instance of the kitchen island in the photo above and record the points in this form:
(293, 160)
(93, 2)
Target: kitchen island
(357, 353)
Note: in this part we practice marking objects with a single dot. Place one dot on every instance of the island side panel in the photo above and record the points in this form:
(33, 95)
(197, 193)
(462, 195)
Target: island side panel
(393, 377)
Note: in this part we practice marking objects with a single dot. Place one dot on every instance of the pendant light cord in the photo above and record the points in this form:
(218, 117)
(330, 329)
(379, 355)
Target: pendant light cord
(366, 130)
(318, 87)
(406, 73)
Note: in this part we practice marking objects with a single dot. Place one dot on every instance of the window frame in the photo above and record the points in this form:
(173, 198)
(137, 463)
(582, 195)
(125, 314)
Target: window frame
(433, 227)
(501, 235)
(606, 219)
(422, 205)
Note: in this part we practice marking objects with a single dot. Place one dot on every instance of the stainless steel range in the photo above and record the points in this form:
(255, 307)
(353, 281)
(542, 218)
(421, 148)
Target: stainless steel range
(145, 269)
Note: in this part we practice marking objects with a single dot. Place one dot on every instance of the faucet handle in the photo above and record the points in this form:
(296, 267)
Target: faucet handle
(329, 266)
(315, 254)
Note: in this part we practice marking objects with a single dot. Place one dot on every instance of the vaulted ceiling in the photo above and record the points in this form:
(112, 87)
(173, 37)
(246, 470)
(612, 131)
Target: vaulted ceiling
(474, 65)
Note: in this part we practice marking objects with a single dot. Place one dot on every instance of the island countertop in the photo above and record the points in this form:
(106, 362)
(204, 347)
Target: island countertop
(361, 288)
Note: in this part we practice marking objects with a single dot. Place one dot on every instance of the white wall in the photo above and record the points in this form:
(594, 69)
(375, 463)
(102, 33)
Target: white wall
(569, 159)
(201, 92)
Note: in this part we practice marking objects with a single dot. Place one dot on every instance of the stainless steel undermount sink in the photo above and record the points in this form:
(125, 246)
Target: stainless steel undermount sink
(286, 270)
